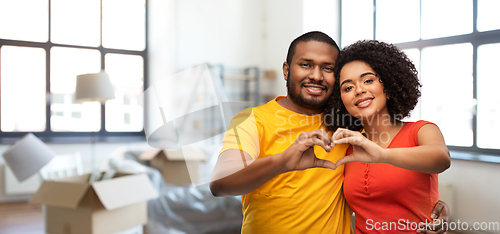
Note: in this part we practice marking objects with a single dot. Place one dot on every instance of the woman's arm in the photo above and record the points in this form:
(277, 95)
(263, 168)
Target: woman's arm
(430, 156)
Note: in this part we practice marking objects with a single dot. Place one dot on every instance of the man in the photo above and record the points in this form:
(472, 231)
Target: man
(267, 149)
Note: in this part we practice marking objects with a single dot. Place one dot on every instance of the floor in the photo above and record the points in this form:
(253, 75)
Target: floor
(24, 218)
(21, 218)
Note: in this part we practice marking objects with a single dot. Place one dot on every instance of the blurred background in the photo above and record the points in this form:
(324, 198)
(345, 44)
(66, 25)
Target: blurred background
(45, 44)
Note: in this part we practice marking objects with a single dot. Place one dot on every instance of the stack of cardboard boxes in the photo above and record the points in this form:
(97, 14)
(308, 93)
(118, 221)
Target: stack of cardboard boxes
(178, 167)
(74, 206)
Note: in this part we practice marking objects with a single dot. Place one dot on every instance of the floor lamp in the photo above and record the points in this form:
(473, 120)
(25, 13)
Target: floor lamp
(93, 87)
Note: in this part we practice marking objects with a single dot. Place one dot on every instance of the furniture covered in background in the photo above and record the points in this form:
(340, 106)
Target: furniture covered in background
(187, 208)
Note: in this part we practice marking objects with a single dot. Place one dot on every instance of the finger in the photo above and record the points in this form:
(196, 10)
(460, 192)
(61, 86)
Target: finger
(345, 133)
(308, 142)
(431, 228)
(319, 134)
(437, 224)
(353, 140)
(438, 208)
(344, 160)
(430, 232)
(436, 227)
(341, 133)
(323, 135)
(435, 232)
(324, 164)
(319, 142)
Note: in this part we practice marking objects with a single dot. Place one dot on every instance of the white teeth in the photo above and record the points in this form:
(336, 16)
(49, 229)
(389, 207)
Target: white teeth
(314, 88)
(361, 103)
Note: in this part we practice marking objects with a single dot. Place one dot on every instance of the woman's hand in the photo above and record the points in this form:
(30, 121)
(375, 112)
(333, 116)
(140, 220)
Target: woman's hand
(364, 150)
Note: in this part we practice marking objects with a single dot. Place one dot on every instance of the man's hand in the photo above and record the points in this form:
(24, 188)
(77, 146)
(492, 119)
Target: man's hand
(440, 215)
(300, 155)
(232, 177)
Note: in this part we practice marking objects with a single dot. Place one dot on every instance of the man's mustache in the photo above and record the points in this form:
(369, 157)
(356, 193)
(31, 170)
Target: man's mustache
(314, 83)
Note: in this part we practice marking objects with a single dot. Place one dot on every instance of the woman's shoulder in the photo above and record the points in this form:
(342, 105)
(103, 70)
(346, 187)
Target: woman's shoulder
(418, 124)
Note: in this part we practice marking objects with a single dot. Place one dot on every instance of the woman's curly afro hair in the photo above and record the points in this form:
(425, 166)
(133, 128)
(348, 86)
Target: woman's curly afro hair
(395, 70)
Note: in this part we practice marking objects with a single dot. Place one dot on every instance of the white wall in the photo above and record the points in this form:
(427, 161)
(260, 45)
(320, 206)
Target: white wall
(476, 189)
(285, 20)
(225, 32)
(322, 15)
(162, 39)
(236, 33)
(282, 24)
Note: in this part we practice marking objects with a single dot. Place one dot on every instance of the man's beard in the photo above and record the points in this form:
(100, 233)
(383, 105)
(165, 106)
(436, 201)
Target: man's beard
(313, 103)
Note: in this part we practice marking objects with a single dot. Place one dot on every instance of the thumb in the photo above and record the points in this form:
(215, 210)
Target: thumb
(324, 164)
(344, 160)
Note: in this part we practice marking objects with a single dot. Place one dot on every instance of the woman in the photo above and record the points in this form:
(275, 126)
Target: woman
(391, 178)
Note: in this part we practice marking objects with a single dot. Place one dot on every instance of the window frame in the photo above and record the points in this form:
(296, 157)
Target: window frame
(72, 136)
(476, 39)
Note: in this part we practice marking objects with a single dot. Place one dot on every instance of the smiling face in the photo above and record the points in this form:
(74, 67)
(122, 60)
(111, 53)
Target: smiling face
(362, 91)
(310, 76)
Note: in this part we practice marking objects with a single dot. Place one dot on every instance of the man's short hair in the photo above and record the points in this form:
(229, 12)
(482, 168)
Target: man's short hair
(310, 36)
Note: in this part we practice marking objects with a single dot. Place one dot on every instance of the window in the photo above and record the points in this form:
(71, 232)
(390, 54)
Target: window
(316, 16)
(456, 54)
(45, 44)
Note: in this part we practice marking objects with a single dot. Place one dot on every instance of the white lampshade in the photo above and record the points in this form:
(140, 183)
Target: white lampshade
(93, 87)
(27, 156)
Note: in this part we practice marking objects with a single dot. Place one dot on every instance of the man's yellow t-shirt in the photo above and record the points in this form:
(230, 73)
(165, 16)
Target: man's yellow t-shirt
(308, 201)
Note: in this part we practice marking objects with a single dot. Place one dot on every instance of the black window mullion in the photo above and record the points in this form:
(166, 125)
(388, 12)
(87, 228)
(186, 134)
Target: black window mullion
(48, 94)
(121, 51)
(474, 16)
(474, 95)
(475, 45)
(145, 60)
(420, 24)
(102, 130)
(103, 53)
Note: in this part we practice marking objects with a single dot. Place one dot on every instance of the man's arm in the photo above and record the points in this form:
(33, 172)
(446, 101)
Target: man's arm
(231, 177)
(236, 173)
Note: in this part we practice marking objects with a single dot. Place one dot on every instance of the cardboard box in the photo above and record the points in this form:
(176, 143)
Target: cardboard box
(179, 167)
(73, 206)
